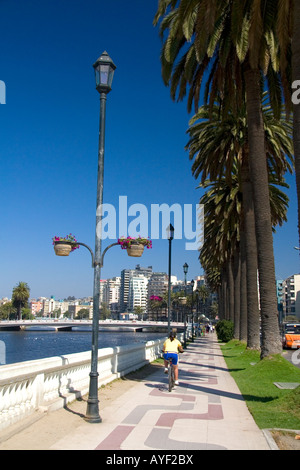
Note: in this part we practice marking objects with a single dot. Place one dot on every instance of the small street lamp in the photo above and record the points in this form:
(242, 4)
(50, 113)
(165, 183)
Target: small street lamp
(185, 270)
(170, 236)
(192, 284)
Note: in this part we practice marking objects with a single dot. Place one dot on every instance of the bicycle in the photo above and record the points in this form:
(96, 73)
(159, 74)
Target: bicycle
(171, 375)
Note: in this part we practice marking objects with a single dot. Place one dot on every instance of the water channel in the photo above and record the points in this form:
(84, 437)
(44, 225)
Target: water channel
(38, 343)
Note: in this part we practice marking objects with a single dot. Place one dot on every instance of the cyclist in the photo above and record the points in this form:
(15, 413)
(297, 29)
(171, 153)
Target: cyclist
(171, 348)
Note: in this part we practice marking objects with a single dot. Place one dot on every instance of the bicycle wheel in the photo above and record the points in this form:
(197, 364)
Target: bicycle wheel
(171, 376)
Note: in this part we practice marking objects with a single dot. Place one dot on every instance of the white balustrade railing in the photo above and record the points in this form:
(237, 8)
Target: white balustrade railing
(49, 384)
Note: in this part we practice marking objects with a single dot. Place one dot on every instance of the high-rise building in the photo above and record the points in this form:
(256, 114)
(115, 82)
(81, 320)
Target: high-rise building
(126, 275)
(113, 294)
(158, 284)
(137, 292)
(110, 295)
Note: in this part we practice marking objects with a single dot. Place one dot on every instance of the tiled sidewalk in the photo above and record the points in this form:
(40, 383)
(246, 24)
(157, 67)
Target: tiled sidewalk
(205, 412)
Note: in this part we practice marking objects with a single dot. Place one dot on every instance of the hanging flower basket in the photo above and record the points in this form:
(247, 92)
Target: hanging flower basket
(182, 300)
(135, 246)
(62, 249)
(64, 245)
(135, 250)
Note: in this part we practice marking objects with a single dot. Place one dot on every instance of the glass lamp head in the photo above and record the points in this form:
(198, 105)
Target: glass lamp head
(104, 73)
(170, 232)
(185, 268)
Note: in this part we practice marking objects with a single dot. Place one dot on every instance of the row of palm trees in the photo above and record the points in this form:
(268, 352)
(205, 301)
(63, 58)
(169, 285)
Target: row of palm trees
(193, 302)
(238, 57)
(229, 217)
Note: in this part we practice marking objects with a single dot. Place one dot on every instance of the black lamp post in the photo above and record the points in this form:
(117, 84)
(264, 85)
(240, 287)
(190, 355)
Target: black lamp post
(104, 71)
(185, 270)
(170, 236)
(192, 284)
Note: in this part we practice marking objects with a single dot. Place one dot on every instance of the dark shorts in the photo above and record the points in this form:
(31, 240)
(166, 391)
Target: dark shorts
(173, 356)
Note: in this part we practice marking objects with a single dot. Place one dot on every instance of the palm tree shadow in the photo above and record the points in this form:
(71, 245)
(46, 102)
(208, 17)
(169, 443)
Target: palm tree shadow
(222, 393)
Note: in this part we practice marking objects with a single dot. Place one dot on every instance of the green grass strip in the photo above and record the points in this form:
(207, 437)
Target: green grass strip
(270, 406)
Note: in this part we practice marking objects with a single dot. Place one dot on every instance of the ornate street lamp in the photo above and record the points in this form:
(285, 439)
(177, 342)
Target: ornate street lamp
(170, 236)
(185, 270)
(104, 72)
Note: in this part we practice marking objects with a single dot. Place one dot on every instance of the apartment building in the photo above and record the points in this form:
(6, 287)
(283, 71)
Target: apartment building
(110, 295)
(75, 307)
(138, 292)
(290, 297)
(158, 284)
(36, 307)
(52, 307)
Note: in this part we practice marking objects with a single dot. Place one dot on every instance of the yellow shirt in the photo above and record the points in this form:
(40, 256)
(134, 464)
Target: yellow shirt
(171, 346)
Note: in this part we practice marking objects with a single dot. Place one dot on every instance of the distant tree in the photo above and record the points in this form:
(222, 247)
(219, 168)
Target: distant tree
(104, 311)
(138, 310)
(26, 314)
(57, 313)
(20, 296)
(155, 304)
(83, 313)
(7, 311)
(214, 310)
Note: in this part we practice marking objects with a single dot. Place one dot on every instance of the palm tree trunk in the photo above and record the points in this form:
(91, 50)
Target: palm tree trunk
(296, 110)
(224, 293)
(237, 292)
(253, 321)
(19, 311)
(243, 288)
(231, 289)
(271, 343)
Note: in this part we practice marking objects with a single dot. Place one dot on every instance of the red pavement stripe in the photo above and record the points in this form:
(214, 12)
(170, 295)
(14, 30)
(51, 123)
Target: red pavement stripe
(168, 395)
(167, 419)
(114, 440)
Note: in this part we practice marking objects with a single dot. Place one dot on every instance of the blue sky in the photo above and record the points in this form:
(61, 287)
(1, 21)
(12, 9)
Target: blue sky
(49, 142)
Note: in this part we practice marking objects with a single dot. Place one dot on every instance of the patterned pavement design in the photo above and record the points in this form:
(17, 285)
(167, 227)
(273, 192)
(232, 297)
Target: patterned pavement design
(205, 412)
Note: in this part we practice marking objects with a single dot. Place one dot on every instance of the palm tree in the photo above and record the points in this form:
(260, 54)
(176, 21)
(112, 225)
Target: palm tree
(223, 206)
(203, 294)
(20, 296)
(236, 39)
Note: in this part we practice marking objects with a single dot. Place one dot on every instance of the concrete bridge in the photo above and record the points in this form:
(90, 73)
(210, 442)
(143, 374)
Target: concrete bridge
(68, 325)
